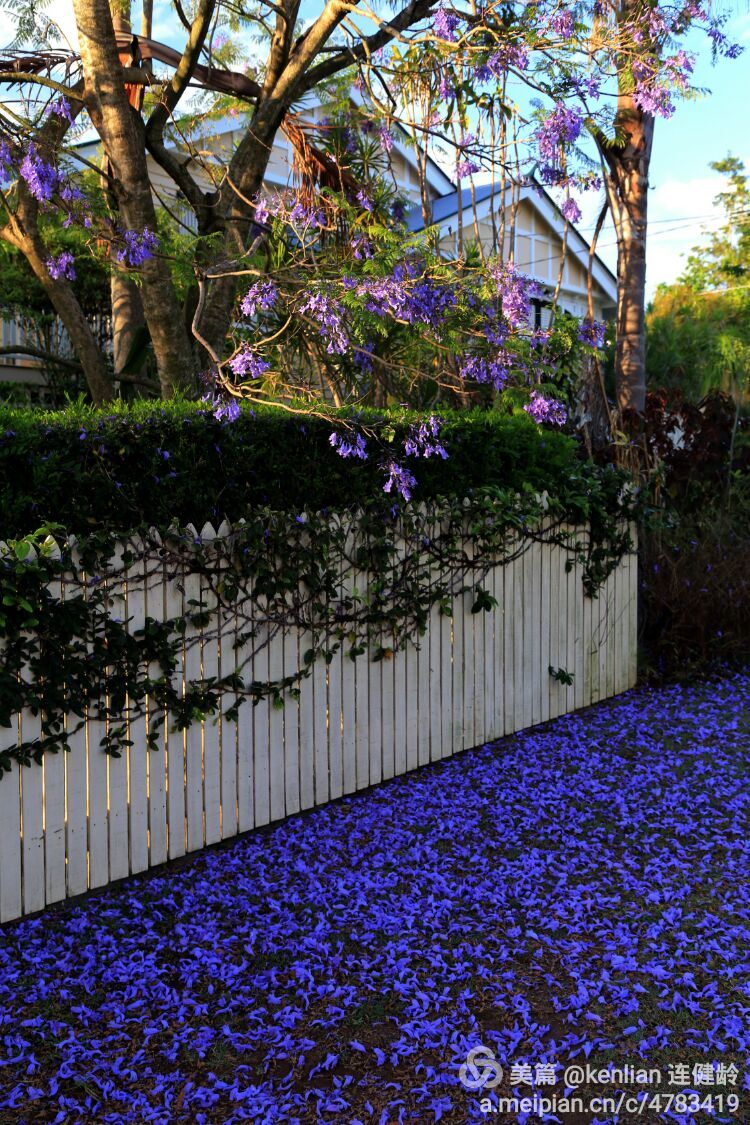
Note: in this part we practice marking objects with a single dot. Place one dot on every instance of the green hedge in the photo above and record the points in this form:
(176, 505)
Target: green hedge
(150, 464)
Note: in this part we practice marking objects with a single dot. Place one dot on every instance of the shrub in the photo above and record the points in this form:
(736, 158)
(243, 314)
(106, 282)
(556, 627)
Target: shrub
(153, 465)
(695, 543)
(695, 585)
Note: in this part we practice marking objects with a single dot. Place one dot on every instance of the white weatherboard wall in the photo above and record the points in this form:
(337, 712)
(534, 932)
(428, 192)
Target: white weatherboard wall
(83, 819)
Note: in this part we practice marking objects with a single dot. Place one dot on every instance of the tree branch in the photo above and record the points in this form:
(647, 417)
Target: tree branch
(411, 14)
(184, 70)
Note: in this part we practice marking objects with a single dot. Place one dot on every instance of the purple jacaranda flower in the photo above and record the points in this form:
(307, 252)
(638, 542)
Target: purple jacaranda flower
(247, 364)
(60, 108)
(423, 439)
(493, 370)
(261, 212)
(138, 248)
(42, 178)
(328, 315)
(562, 23)
(227, 410)
(516, 292)
(349, 445)
(62, 267)
(543, 408)
(571, 212)
(446, 23)
(386, 138)
(399, 480)
(591, 333)
(558, 129)
(261, 296)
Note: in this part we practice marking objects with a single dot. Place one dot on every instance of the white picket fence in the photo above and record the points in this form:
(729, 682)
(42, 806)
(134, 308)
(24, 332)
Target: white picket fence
(82, 819)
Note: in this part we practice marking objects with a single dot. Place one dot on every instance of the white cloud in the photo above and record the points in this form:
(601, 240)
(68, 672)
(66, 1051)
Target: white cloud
(681, 212)
(59, 12)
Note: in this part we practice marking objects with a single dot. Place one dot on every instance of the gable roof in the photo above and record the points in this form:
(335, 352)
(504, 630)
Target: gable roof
(445, 210)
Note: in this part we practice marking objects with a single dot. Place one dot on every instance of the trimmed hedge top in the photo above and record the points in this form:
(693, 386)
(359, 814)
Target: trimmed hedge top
(151, 465)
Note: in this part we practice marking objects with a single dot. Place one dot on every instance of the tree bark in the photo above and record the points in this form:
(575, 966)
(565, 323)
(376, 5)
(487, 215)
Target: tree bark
(127, 317)
(627, 158)
(22, 232)
(627, 193)
(122, 134)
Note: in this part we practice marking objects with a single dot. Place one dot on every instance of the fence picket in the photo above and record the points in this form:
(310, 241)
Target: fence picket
(156, 720)
(262, 746)
(98, 809)
(136, 581)
(84, 818)
(361, 691)
(236, 653)
(211, 725)
(446, 741)
(549, 596)
(53, 766)
(11, 897)
(632, 561)
(117, 764)
(174, 740)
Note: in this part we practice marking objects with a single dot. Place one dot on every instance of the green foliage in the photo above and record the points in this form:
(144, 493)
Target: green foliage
(699, 328)
(150, 465)
(695, 583)
(700, 342)
(290, 498)
(21, 290)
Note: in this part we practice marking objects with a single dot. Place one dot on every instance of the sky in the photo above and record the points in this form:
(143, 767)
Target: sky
(682, 185)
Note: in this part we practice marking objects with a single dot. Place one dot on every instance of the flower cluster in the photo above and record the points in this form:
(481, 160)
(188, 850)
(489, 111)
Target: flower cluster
(545, 409)
(247, 364)
(62, 267)
(516, 292)
(557, 130)
(262, 296)
(328, 314)
(423, 439)
(42, 178)
(261, 213)
(386, 138)
(400, 480)
(562, 23)
(509, 55)
(446, 23)
(571, 212)
(409, 296)
(591, 333)
(138, 248)
(492, 370)
(61, 108)
(354, 446)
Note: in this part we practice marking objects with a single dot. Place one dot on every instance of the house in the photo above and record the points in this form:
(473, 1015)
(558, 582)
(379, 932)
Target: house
(526, 221)
(531, 229)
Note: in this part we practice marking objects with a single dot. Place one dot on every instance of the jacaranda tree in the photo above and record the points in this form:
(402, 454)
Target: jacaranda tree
(341, 300)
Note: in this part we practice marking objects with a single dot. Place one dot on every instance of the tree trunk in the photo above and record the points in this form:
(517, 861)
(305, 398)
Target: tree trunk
(127, 317)
(252, 156)
(627, 160)
(25, 237)
(122, 133)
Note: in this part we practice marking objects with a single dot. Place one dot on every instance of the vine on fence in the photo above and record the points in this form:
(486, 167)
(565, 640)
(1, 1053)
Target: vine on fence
(69, 655)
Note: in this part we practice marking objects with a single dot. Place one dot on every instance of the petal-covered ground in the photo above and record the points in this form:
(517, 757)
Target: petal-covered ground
(574, 894)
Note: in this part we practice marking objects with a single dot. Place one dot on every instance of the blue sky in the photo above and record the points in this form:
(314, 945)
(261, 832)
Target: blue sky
(682, 184)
